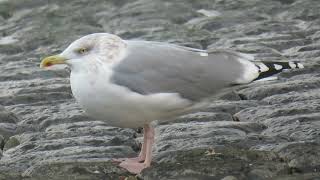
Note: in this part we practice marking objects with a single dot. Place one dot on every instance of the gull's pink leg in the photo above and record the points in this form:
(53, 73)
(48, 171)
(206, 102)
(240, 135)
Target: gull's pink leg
(142, 154)
(150, 141)
(137, 167)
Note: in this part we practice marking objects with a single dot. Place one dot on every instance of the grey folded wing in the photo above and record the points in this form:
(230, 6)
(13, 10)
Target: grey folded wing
(152, 67)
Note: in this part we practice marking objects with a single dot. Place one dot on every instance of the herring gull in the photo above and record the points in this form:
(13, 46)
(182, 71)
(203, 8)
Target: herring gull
(130, 83)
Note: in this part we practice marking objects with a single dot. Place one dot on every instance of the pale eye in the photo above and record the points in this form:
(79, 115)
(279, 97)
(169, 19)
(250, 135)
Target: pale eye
(82, 50)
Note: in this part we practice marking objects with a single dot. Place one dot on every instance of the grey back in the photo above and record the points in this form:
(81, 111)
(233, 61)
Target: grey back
(153, 67)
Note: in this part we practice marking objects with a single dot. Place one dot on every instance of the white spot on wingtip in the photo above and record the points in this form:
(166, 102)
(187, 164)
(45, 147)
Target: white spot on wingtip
(203, 54)
(263, 67)
(300, 65)
(292, 65)
(277, 67)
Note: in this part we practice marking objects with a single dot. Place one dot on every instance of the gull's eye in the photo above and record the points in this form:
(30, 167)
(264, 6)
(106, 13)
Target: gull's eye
(82, 50)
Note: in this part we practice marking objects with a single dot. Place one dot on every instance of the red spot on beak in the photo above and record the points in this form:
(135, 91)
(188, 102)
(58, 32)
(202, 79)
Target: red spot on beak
(49, 64)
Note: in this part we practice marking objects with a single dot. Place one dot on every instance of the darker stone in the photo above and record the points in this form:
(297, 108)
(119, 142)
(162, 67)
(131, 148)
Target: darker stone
(11, 143)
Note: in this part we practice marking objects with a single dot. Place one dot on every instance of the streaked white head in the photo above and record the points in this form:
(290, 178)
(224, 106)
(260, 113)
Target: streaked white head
(91, 50)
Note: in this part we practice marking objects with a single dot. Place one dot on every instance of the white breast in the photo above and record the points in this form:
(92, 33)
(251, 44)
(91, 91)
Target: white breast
(119, 106)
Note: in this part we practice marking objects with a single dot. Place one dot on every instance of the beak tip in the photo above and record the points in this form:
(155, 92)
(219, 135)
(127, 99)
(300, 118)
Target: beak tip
(43, 64)
(52, 60)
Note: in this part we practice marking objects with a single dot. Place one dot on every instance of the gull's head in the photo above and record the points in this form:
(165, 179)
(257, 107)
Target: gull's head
(91, 49)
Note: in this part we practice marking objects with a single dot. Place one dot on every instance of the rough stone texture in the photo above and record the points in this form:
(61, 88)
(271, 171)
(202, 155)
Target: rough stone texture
(8, 125)
(264, 130)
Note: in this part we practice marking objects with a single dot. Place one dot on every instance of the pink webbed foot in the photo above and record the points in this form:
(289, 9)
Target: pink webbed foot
(134, 159)
(133, 167)
(136, 165)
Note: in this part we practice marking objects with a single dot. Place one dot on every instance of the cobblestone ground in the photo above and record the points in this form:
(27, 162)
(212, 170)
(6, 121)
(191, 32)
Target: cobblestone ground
(264, 130)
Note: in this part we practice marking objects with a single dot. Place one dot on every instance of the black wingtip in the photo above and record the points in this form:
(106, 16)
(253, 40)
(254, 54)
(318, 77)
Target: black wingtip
(267, 69)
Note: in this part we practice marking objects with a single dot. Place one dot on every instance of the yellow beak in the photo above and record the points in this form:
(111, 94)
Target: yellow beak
(52, 60)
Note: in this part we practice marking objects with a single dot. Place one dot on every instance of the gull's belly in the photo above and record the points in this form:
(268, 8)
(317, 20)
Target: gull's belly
(118, 106)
